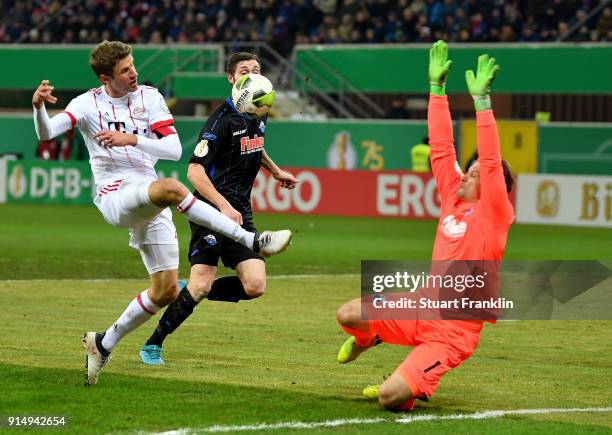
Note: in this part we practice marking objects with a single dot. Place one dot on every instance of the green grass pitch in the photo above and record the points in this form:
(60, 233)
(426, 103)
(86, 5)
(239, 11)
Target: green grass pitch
(272, 360)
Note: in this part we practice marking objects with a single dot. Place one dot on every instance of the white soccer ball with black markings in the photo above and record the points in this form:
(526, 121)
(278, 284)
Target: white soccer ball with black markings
(253, 94)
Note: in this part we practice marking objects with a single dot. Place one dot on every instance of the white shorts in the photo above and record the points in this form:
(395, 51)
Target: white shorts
(157, 258)
(125, 203)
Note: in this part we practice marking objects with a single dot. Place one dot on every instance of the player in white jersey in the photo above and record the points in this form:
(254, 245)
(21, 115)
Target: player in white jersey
(127, 128)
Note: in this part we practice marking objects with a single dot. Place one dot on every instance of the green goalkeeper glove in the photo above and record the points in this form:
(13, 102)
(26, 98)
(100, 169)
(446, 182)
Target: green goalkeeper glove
(480, 85)
(439, 66)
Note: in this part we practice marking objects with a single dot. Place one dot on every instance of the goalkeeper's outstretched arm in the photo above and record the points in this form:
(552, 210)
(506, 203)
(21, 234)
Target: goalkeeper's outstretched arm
(439, 124)
(493, 194)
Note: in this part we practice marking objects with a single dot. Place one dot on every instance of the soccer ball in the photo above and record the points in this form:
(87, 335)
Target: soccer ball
(253, 94)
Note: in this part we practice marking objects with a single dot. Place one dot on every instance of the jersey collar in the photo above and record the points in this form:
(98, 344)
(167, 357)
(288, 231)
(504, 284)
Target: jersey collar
(229, 101)
(122, 98)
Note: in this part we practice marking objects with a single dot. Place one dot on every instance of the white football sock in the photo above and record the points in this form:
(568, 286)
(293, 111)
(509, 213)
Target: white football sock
(137, 312)
(203, 214)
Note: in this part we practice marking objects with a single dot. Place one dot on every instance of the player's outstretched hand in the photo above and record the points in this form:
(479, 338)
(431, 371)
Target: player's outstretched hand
(42, 94)
(286, 179)
(439, 65)
(479, 85)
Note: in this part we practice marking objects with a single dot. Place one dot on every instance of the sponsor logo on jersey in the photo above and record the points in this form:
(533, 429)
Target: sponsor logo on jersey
(209, 136)
(139, 111)
(262, 127)
(250, 145)
(201, 148)
(452, 228)
(120, 126)
(236, 133)
(211, 240)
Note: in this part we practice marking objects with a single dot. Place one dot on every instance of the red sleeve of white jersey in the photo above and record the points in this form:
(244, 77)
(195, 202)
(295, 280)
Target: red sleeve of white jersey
(164, 128)
(77, 108)
(73, 120)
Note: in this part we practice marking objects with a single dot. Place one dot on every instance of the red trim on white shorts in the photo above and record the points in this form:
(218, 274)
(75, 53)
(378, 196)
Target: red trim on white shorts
(112, 187)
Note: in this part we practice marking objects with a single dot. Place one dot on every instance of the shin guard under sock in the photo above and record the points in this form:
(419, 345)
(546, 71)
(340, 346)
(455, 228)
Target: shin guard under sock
(227, 289)
(175, 314)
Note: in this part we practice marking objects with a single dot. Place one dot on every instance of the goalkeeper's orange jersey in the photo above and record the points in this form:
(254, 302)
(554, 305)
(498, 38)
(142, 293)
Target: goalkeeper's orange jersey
(467, 230)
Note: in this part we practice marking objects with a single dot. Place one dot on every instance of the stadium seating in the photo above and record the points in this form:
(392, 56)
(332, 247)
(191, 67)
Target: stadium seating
(284, 23)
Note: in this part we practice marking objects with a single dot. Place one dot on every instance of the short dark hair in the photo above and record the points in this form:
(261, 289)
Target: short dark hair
(236, 58)
(105, 56)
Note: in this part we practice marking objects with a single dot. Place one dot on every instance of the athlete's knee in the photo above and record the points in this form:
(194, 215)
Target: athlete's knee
(349, 313)
(391, 398)
(165, 293)
(394, 393)
(386, 401)
(168, 190)
(171, 291)
(255, 286)
(199, 289)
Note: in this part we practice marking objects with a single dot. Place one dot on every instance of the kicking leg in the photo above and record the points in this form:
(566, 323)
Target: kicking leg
(169, 191)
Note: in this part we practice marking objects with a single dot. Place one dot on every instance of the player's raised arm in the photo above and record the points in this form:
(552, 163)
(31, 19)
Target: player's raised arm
(43, 93)
(493, 190)
(443, 157)
(48, 128)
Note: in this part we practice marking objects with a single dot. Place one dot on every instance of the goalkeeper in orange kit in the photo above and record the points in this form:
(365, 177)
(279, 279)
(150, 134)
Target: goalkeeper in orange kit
(475, 217)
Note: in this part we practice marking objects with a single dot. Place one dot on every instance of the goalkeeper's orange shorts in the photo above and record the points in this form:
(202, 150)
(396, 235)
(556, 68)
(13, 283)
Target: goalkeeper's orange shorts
(439, 345)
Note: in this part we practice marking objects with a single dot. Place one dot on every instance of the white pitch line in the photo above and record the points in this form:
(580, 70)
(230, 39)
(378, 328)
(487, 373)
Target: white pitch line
(497, 413)
(357, 421)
